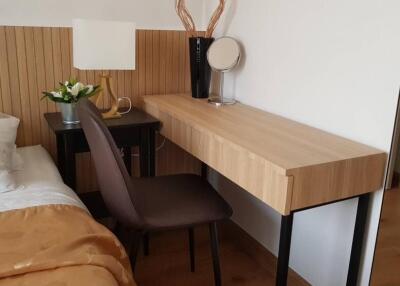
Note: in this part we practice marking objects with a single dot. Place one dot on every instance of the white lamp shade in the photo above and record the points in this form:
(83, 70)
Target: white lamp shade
(103, 45)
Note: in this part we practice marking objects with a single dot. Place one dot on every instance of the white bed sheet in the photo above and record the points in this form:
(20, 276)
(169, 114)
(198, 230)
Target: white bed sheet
(39, 183)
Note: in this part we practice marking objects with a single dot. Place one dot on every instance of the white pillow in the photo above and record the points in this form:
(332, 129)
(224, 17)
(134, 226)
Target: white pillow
(7, 182)
(8, 134)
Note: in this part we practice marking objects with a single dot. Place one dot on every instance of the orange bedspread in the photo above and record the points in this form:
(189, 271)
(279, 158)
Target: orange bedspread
(59, 245)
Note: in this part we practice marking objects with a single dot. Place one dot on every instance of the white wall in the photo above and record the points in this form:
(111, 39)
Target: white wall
(148, 14)
(334, 65)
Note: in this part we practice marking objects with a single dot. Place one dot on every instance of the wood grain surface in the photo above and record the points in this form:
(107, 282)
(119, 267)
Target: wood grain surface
(286, 164)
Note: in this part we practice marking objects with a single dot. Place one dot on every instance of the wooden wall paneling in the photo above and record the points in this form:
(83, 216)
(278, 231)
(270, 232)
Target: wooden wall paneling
(41, 80)
(4, 74)
(134, 74)
(141, 38)
(187, 65)
(175, 61)
(181, 55)
(156, 62)
(127, 85)
(35, 59)
(121, 85)
(33, 85)
(14, 80)
(49, 75)
(65, 54)
(1, 99)
(163, 62)
(75, 73)
(149, 62)
(23, 84)
(169, 69)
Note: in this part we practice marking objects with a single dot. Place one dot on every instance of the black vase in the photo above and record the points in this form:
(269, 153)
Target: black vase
(200, 70)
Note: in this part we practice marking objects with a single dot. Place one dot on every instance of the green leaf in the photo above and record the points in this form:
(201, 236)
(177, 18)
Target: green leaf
(73, 81)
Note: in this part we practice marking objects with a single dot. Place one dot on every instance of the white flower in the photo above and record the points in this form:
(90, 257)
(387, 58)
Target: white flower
(66, 83)
(56, 94)
(76, 89)
(90, 88)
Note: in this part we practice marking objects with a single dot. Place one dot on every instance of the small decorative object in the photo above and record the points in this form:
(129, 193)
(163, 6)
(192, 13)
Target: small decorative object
(67, 97)
(200, 70)
(104, 45)
(223, 55)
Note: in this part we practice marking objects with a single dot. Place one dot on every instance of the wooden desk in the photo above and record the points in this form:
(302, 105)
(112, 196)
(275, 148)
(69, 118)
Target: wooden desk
(288, 165)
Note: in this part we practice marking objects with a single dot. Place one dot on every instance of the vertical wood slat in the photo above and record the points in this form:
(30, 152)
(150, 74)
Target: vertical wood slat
(35, 59)
(23, 80)
(49, 79)
(14, 79)
(4, 73)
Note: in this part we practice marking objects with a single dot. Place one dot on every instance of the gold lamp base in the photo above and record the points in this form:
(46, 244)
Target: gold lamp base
(106, 83)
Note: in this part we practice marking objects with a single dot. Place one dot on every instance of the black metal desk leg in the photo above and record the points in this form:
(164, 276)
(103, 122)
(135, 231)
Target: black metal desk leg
(358, 239)
(284, 250)
(66, 159)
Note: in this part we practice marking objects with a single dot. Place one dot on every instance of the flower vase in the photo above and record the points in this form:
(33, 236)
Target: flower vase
(200, 70)
(69, 113)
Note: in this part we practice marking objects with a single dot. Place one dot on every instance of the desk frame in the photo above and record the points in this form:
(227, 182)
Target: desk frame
(285, 239)
(356, 248)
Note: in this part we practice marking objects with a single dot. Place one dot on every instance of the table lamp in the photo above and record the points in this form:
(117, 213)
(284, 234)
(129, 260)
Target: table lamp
(104, 45)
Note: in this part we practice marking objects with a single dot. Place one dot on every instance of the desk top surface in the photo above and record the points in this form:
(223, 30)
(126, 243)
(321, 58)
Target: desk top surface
(134, 118)
(283, 142)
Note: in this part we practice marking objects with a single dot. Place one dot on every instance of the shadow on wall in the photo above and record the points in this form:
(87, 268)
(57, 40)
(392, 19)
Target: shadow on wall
(230, 13)
(250, 213)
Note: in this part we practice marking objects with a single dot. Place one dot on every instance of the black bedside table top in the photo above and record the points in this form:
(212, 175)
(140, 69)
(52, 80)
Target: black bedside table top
(134, 118)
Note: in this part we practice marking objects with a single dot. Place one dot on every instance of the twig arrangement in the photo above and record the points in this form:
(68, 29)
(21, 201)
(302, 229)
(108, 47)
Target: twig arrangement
(188, 22)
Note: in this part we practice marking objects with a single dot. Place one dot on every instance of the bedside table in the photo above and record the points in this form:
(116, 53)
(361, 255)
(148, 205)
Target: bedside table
(136, 128)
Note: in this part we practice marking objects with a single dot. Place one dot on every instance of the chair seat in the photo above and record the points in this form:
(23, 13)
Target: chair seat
(177, 201)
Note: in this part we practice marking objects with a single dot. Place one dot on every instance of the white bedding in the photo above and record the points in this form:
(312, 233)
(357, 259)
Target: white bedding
(39, 183)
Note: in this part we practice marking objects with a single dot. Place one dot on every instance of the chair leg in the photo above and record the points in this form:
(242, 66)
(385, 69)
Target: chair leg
(215, 253)
(146, 244)
(192, 249)
(136, 239)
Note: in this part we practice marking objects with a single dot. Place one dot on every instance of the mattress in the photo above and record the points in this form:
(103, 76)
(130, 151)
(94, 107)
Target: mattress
(47, 236)
(39, 183)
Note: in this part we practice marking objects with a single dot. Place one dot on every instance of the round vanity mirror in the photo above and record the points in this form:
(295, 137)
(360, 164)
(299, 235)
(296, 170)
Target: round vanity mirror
(223, 55)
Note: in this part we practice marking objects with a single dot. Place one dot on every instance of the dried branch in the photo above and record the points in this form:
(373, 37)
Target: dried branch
(185, 16)
(215, 18)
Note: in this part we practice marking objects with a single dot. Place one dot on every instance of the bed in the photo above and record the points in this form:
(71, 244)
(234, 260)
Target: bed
(48, 237)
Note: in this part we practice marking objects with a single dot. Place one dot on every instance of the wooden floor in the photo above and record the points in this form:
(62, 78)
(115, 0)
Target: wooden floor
(386, 270)
(168, 262)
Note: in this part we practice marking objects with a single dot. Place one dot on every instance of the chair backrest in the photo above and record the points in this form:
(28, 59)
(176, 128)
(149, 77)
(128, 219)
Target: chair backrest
(114, 181)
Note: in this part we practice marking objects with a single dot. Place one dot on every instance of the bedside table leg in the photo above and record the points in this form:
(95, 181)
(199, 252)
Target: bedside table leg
(66, 159)
(147, 151)
(128, 158)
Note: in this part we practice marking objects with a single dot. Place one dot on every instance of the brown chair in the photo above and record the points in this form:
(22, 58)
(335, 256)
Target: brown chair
(151, 204)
